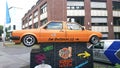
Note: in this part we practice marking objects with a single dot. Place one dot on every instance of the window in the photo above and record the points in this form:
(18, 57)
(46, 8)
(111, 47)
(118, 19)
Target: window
(30, 27)
(99, 0)
(43, 8)
(105, 35)
(117, 35)
(75, 0)
(14, 27)
(36, 25)
(44, 21)
(99, 24)
(25, 20)
(35, 13)
(99, 21)
(30, 17)
(99, 45)
(98, 5)
(54, 25)
(116, 5)
(79, 20)
(75, 5)
(73, 26)
(116, 21)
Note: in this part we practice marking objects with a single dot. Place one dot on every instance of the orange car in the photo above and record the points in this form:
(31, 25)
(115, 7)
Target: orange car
(56, 31)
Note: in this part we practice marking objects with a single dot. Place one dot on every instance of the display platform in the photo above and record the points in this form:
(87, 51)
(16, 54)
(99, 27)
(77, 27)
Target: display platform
(62, 55)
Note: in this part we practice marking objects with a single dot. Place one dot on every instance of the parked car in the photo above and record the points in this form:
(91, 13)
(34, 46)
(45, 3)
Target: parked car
(56, 31)
(107, 51)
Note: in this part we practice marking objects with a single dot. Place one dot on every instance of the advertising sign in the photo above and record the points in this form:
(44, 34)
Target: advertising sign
(63, 55)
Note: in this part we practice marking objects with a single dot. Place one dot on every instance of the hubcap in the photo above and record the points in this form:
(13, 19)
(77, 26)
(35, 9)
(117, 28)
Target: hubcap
(29, 40)
(94, 40)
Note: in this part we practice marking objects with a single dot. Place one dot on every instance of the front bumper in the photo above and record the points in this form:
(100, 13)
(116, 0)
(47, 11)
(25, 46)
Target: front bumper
(15, 38)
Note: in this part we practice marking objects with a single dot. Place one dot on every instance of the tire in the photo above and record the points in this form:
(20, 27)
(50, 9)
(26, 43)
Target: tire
(28, 40)
(94, 39)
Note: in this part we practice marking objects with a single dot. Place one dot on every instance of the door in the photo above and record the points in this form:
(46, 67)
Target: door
(53, 32)
(75, 33)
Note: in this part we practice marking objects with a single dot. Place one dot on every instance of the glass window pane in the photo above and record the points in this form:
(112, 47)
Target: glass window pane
(73, 26)
(99, 45)
(54, 25)
(98, 4)
(116, 5)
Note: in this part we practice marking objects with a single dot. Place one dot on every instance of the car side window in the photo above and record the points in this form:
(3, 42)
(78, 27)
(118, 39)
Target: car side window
(54, 25)
(99, 45)
(73, 26)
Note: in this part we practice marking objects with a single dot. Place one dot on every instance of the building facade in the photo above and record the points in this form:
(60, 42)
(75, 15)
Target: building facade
(96, 15)
(15, 19)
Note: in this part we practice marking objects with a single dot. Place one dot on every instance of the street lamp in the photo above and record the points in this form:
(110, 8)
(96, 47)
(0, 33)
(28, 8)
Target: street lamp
(15, 7)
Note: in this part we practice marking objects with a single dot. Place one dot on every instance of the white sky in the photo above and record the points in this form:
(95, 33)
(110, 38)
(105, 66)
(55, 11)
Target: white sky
(24, 4)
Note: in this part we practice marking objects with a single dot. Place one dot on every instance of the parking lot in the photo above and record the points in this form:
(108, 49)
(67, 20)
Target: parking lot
(18, 56)
(14, 56)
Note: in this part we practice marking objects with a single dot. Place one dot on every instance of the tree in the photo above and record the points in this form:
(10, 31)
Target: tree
(1, 30)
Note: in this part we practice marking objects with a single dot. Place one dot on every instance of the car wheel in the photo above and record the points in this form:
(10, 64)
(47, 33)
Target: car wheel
(94, 40)
(29, 40)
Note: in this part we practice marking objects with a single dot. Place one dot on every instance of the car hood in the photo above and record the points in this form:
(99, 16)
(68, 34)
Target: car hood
(99, 34)
(25, 31)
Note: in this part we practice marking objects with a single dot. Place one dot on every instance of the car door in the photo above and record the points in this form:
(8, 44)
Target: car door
(53, 32)
(74, 32)
(98, 52)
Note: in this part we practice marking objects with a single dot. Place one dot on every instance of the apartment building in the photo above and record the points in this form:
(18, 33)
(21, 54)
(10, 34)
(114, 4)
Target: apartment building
(96, 15)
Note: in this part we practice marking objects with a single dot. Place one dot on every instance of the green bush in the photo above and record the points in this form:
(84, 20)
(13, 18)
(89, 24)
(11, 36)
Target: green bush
(117, 65)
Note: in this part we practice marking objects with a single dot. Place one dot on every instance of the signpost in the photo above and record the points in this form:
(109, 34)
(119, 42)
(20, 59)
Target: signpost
(113, 52)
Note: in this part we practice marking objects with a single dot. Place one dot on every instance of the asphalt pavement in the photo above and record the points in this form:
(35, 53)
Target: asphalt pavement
(14, 56)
